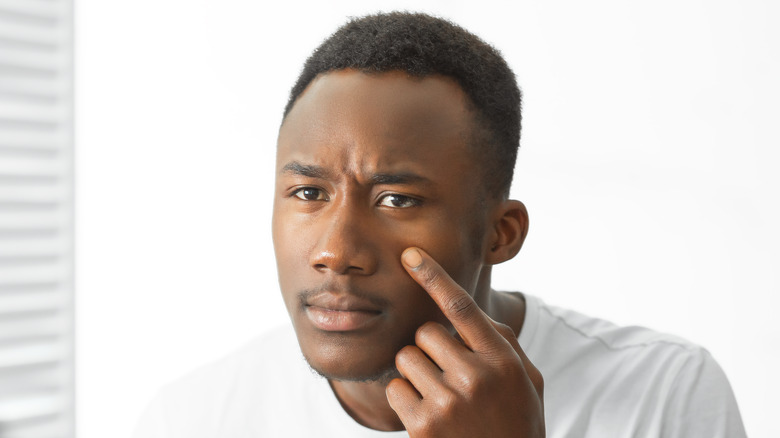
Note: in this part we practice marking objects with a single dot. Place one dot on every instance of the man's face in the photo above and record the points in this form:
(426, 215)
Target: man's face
(368, 165)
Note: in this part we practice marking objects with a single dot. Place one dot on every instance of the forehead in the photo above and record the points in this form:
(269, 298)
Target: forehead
(367, 122)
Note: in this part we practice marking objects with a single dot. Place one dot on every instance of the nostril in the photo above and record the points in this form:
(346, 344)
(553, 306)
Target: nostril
(350, 260)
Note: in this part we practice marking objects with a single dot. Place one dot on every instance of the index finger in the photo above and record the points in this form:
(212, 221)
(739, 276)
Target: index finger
(461, 310)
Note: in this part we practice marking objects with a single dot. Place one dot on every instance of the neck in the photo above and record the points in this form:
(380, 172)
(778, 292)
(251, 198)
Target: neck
(366, 402)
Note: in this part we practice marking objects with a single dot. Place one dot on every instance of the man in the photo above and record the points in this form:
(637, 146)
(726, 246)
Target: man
(394, 162)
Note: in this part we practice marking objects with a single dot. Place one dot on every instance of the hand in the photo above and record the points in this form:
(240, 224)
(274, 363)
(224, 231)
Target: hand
(482, 387)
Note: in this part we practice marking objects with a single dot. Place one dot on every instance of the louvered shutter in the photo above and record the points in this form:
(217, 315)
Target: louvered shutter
(36, 219)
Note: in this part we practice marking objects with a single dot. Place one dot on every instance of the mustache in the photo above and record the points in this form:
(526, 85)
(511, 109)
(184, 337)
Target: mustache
(305, 295)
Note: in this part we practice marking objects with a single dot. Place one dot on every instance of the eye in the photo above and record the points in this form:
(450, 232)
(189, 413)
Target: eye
(310, 194)
(398, 201)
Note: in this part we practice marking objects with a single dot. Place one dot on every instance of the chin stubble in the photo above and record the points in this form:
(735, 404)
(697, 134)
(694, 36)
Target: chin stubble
(383, 376)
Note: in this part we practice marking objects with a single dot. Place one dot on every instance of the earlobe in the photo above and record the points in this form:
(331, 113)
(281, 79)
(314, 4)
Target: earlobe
(510, 226)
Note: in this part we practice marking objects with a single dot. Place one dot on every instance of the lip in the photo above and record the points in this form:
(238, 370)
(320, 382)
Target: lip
(341, 312)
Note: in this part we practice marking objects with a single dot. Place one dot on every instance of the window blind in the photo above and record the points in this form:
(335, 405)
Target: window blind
(36, 219)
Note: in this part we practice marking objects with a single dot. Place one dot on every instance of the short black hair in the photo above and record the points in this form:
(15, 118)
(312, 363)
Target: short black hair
(422, 45)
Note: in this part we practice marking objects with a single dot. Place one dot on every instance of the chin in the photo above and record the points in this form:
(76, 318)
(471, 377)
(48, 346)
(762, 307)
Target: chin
(345, 361)
(338, 373)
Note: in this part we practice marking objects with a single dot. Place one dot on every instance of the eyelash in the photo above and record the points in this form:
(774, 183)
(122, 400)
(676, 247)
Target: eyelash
(413, 202)
(301, 191)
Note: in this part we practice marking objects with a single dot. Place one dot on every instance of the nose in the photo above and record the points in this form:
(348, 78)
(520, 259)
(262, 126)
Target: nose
(345, 245)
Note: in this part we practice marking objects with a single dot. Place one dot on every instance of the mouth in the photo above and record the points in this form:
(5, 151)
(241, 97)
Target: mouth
(332, 312)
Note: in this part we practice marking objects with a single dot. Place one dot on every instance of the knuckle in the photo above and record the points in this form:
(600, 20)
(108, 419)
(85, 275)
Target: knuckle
(505, 331)
(515, 371)
(507, 361)
(474, 382)
(446, 403)
(509, 366)
(482, 384)
(462, 305)
(536, 378)
(430, 276)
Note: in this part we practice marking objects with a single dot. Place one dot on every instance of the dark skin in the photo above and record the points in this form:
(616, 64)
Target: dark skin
(370, 167)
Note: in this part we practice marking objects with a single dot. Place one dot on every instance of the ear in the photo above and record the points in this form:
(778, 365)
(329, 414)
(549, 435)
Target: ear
(510, 226)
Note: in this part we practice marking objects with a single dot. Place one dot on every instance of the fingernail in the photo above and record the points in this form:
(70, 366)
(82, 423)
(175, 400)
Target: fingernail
(412, 258)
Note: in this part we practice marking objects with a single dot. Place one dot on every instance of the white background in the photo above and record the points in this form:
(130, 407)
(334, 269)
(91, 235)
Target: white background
(648, 164)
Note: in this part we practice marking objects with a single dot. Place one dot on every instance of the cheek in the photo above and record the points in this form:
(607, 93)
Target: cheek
(290, 240)
(450, 243)
(291, 233)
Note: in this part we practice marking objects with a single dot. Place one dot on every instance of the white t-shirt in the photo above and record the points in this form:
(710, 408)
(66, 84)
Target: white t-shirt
(600, 381)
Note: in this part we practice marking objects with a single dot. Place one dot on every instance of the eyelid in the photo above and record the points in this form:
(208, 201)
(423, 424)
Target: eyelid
(299, 189)
(415, 202)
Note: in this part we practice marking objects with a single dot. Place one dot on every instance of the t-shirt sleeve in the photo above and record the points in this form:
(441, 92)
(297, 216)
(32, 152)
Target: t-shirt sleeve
(152, 423)
(701, 402)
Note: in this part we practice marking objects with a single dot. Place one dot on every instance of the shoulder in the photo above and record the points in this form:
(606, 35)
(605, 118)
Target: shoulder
(552, 330)
(624, 379)
(563, 340)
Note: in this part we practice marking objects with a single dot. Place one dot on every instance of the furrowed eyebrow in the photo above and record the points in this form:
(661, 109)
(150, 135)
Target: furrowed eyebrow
(310, 171)
(398, 178)
(313, 171)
